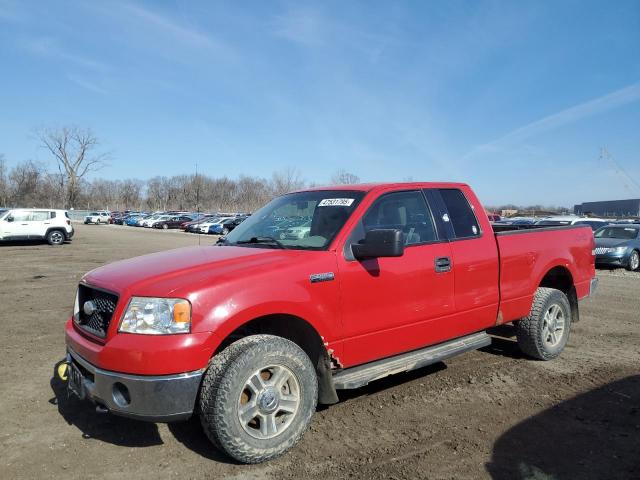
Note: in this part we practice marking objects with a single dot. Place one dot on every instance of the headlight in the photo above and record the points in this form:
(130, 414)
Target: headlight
(619, 250)
(157, 316)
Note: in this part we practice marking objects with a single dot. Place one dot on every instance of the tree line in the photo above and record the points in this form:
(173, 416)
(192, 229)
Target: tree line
(76, 155)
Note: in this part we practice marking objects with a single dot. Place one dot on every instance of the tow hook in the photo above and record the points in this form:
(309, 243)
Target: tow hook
(62, 368)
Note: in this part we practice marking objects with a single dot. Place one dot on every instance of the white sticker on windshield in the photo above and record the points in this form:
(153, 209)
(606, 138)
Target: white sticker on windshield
(336, 202)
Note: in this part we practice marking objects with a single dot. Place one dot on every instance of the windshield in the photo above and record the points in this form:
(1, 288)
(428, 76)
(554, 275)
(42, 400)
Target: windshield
(304, 220)
(622, 233)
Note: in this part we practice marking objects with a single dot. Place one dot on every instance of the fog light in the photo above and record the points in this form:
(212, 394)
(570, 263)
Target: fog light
(121, 395)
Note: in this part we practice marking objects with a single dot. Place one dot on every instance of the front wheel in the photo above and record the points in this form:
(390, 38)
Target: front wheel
(225, 230)
(634, 261)
(258, 397)
(544, 333)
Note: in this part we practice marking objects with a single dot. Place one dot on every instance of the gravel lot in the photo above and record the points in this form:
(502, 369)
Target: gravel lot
(486, 414)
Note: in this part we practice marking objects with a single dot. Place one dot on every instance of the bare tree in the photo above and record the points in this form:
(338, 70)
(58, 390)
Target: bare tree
(4, 183)
(286, 181)
(26, 179)
(342, 177)
(74, 151)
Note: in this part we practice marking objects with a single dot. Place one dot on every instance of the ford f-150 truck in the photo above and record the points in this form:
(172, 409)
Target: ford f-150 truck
(251, 333)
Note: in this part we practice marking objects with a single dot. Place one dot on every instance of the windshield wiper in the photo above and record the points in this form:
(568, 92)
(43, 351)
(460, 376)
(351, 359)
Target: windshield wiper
(264, 240)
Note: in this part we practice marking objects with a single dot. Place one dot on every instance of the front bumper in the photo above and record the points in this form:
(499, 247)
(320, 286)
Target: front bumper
(614, 260)
(157, 398)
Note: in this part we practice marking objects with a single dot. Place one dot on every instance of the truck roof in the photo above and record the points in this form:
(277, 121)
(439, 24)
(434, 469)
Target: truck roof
(367, 187)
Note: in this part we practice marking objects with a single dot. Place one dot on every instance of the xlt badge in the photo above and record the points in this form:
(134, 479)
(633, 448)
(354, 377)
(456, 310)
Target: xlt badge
(321, 277)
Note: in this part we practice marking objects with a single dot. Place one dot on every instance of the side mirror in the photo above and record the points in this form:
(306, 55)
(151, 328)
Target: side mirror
(380, 243)
(9, 219)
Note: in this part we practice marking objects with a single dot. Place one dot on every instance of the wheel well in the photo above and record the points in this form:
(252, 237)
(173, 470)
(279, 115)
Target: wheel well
(56, 229)
(301, 333)
(561, 279)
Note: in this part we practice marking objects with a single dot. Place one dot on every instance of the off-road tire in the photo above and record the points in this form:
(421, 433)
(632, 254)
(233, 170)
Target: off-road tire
(634, 261)
(224, 382)
(529, 329)
(55, 237)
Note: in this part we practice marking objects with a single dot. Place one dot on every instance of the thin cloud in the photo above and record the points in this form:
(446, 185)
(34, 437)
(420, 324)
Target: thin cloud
(87, 85)
(183, 34)
(49, 48)
(302, 25)
(624, 96)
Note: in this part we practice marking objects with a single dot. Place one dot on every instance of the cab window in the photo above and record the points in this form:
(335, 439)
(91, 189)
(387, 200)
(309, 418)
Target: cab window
(406, 211)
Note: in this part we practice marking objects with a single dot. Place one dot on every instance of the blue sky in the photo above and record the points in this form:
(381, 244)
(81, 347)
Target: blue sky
(515, 98)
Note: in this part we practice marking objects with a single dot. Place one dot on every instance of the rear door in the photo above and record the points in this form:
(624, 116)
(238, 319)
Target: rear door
(393, 305)
(39, 222)
(475, 258)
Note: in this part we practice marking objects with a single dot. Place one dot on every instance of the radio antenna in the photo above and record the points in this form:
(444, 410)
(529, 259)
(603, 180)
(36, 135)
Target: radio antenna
(197, 198)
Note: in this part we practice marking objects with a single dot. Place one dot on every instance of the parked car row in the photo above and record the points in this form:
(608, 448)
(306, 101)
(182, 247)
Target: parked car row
(195, 222)
(559, 221)
(215, 224)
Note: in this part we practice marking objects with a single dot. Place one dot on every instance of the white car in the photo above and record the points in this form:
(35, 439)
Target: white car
(97, 217)
(204, 227)
(54, 226)
(148, 223)
(298, 232)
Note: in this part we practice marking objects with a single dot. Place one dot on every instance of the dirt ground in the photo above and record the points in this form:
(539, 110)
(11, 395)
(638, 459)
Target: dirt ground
(485, 414)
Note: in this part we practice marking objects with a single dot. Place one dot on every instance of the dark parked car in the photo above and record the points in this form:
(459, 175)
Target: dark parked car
(226, 227)
(618, 245)
(173, 222)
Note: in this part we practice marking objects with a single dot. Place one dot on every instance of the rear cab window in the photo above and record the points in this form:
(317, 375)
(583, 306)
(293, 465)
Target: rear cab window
(459, 215)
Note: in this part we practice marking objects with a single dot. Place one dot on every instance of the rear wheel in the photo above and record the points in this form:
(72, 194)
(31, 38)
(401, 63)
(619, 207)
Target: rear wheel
(165, 226)
(544, 333)
(225, 230)
(634, 261)
(55, 237)
(258, 397)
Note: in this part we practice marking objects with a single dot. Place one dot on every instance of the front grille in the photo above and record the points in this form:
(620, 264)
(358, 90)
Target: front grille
(103, 305)
(603, 250)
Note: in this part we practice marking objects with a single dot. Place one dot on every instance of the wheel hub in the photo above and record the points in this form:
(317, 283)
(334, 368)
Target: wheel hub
(268, 400)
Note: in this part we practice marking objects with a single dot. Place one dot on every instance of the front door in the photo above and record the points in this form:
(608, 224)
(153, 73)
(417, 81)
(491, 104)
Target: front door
(392, 305)
(15, 226)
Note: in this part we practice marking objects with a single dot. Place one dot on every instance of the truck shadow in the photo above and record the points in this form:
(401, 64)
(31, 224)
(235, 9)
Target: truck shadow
(387, 383)
(104, 427)
(503, 342)
(125, 432)
(594, 435)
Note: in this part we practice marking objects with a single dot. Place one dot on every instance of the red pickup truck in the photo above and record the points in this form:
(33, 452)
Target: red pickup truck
(320, 290)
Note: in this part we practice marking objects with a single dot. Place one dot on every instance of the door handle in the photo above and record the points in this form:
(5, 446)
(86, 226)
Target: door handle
(443, 264)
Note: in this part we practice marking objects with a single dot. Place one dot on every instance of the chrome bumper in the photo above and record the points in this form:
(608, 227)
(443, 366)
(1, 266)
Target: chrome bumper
(163, 398)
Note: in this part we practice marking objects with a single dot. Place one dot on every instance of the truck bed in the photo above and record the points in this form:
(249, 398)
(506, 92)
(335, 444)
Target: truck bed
(527, 254)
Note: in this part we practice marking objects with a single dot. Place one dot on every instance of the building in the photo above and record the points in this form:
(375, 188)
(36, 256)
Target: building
(610, 208)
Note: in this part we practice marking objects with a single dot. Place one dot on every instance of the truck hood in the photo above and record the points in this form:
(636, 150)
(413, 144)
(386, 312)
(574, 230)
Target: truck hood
(165, 271)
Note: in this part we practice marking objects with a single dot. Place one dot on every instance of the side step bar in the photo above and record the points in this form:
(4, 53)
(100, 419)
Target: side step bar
(361, 375)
